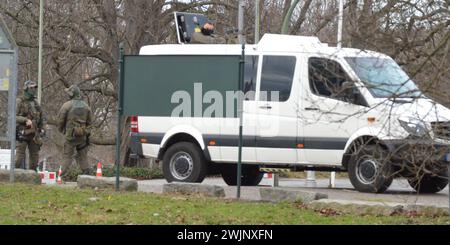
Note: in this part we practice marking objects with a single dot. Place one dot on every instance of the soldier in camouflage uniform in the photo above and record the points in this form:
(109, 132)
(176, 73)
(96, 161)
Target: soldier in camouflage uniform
(29, 126)
(74, 121)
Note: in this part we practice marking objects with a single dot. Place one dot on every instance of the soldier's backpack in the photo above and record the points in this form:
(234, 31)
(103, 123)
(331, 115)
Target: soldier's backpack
(76, 118)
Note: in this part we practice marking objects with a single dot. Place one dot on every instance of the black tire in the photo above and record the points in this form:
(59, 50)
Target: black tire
(428, 183)
(184, 162)
(129, 162)
(250, 175)
(369, 170)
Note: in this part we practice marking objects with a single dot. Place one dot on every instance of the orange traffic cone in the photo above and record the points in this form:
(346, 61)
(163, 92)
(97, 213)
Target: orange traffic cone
(99, 169)
(59, 180)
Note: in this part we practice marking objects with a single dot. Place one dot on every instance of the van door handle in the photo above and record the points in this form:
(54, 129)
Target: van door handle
(266, 107)
(311, 109)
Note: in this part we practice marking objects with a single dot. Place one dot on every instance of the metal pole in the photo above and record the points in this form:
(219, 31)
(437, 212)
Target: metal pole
(119, 117)
(12, 113)
(241, 119)
(241, 21)
(41, 31)
(119, 128)
(332, 183)
(340, 21)
(256, 21)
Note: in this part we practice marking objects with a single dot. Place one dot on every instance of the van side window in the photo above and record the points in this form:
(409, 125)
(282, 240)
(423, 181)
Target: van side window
(277, 75)
(251, 69)
(326, 77)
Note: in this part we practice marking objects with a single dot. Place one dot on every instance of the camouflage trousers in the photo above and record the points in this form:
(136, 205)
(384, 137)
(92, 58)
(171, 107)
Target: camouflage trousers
(198, 37)
(72, 150)
(33, 150)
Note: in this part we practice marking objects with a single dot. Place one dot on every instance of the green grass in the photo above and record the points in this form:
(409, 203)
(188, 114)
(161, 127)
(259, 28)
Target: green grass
(25, 204)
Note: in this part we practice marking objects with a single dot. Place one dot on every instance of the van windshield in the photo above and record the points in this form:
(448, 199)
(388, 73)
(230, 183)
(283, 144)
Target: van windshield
(383, 77)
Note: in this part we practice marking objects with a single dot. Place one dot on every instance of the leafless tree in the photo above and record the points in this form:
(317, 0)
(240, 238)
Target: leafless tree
(81, 40)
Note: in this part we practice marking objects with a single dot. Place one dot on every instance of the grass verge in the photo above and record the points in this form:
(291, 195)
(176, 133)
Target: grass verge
(25, 204)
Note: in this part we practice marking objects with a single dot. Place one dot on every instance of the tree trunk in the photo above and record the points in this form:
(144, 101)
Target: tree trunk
(353, 22)
(287, 6)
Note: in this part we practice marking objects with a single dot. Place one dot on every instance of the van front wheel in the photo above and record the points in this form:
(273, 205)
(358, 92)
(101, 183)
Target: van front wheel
(184, 162)
(369, 171)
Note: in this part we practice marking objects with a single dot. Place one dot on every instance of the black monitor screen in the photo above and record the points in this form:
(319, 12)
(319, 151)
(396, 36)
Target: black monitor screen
(186, 23)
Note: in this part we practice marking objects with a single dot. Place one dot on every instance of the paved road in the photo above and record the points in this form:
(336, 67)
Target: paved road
(399, 192)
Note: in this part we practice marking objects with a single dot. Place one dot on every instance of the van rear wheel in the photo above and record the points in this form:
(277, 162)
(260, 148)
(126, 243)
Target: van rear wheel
(184, 162)
(250, 174)
(369, 170)
(429, 183)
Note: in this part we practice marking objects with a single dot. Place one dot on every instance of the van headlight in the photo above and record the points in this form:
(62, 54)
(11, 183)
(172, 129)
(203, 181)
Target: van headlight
(414, 127)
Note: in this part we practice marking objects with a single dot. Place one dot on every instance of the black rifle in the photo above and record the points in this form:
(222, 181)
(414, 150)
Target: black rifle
(86, 143)
(20, 135)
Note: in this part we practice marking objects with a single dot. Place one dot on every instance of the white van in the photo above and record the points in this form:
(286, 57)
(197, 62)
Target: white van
(335, 110)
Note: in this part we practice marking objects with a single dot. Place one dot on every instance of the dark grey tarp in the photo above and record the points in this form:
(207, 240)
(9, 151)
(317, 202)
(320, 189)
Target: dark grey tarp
(149, 82)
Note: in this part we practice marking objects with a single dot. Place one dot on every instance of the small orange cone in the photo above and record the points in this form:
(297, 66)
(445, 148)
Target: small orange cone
(99, 170)
(59, 180)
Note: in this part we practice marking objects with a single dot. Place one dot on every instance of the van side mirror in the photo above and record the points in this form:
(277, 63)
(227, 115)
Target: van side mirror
(346, 85)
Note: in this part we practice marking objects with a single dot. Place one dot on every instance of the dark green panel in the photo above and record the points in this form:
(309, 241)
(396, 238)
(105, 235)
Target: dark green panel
(150, 81)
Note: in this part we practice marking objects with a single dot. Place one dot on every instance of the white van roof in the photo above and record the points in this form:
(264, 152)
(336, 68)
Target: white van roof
(268, 43)
(278, 42)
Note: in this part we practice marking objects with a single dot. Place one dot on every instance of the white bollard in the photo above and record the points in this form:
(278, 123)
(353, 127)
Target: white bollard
(270, 179)
(276, 178)
(5, 159)
(271, 176)
(332, 183)
(311, 179)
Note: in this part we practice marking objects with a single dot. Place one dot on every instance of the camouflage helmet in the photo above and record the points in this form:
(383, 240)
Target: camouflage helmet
(73, 91)
(29, 84)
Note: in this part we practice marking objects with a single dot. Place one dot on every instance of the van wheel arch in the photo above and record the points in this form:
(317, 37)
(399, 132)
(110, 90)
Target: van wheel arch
(357, 144)
(182, 137)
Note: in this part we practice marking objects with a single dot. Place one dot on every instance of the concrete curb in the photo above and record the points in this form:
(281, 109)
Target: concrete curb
(194, 188)
(375, 208)
(21, 176)
(88, 181)
(289, 195)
